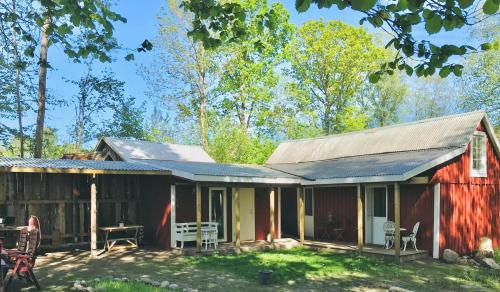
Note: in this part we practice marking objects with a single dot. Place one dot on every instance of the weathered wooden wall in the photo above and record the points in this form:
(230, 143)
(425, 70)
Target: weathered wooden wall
(62, 202)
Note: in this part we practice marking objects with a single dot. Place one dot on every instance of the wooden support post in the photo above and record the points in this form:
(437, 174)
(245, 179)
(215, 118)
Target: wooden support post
(271, 215)
(93, 216)
(397, 221)
(301, 215)
(360, 220)
(173, 242)
(82, 219)
(198, 217)
(62, 222)
(279, 212)
(237, 226)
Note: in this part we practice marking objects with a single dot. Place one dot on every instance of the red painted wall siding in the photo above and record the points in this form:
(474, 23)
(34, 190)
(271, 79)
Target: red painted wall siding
(468, 212)
(185, 203)
(342, 203)
(262, 208)
(156, 210)
(470, 206)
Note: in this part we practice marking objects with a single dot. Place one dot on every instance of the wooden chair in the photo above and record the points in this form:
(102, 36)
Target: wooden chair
(24, 262)
(22, 243)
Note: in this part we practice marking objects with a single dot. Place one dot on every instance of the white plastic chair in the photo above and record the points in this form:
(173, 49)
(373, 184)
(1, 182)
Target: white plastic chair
(389, 229)
(412, 237)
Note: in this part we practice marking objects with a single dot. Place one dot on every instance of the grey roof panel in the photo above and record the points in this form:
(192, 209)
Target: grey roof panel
(217, 169)
(136, 149)
(389, 164)
(443, 132)
(7, 162)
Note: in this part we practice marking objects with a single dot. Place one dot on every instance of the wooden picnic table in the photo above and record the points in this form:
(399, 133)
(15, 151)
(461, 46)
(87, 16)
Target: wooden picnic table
(132, 240)
(11, 228)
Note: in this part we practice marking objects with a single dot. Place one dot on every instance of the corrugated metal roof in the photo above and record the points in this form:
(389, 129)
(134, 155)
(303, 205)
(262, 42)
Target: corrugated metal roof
(217, 169)
(84, 165)
(135, 149)
(444, 132)
(388, 164)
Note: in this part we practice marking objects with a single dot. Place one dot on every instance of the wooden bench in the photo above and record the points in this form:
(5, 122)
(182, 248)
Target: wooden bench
(187, 232)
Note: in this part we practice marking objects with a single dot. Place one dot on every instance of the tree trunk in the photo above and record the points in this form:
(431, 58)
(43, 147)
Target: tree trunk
(42, 88)
(203, 104)
(19, 108)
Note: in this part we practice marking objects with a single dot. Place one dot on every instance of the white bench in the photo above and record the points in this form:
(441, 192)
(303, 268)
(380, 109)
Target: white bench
(187, 232)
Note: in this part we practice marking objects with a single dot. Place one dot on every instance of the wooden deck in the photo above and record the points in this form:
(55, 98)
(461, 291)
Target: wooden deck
(285, 243)
(368, 250)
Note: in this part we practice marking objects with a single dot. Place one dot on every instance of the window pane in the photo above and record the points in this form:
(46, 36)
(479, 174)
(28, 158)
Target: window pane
(478, 153)
(309, 202)
(379, 205)
(218, 211)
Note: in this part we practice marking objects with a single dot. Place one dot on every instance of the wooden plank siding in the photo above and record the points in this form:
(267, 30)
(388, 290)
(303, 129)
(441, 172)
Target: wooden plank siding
(156, 210)
(262, 207)
(470, 206)
(62, 202)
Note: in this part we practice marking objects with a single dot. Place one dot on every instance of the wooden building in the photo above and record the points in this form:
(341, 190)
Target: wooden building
(442, 172)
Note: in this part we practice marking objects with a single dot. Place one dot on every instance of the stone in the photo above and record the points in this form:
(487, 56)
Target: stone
(473, 262)
(155, 283)
(173, 286)
(97, 280)
(165, 284)
(485, 244)
(398, 289)
(490, 263)
(450, 256)
(100, 289)
(124, 279)
(463, 261)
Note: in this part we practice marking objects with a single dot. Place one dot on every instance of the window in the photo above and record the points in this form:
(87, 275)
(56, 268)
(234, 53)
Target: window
(379, 202)
(478, 155)
(309, 202)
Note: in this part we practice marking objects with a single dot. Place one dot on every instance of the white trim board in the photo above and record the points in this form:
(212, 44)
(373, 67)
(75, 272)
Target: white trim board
(437, 213)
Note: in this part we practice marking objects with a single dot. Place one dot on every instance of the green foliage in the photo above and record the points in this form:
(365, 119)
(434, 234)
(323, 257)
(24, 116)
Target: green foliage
(218, 22)
(230, 143)
(130, 286)
(248, 76)
(329, 65)
(127, 119)
(431, 97)
(481, 78)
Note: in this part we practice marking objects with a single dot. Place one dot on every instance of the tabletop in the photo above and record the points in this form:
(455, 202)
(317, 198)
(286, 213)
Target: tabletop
(11, 228)
(119, 228)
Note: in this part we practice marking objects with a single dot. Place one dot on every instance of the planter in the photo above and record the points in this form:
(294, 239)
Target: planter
(265, 277)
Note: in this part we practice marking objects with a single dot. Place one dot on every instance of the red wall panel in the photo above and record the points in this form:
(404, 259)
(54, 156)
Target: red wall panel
(468, 212)
(289, 212)
(156, 210)
(262, 207)
(341, 202)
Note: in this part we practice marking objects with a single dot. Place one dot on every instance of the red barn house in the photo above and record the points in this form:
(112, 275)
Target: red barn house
(443, 173)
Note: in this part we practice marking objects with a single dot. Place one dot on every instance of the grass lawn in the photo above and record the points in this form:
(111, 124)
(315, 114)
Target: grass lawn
(294, 270)
(114, 286)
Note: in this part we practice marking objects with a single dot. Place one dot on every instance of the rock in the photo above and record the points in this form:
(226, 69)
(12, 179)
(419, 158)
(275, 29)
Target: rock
(398, 289)
(473, 262)
(164, 284)
(117, 279)
(155, 283)
(490, 263)
(485, 245)
(173, 286)
(124, 279)
(100, 289)
(463, 261)
(97, 280)
(450, 256)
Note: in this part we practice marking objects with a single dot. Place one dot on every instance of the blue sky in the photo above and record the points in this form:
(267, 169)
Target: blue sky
(142, 24)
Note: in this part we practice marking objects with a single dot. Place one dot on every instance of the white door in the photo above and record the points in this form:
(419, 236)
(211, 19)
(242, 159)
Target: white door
(247, 214)
(309, 212)
(376, 214)
(218, 211)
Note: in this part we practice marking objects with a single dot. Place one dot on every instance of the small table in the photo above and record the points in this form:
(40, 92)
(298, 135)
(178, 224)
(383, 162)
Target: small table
(110, 242)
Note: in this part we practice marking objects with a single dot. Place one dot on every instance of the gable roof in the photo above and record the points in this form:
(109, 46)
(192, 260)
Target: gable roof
(128, 150)
(448, 132)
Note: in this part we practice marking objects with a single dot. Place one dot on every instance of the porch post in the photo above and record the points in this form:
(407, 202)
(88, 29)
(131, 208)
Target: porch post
(271, 215)
(301, 215)
(198, 217)
(279, 212)
(93, 216)
(397, 219)
(173, 242)
(360, 220)
(236, 197)
(437, 218)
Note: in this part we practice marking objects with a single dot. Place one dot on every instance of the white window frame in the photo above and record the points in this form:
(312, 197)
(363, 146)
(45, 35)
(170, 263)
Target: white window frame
(484, 171)
(224, 203)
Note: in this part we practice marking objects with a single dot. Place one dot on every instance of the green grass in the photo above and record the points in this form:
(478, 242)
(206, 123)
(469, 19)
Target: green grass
(117, 286)
(497, 255)
(346, 270)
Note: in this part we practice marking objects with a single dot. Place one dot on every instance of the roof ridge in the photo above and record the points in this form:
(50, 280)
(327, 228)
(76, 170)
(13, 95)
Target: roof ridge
(151, 142)
(423, 121)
